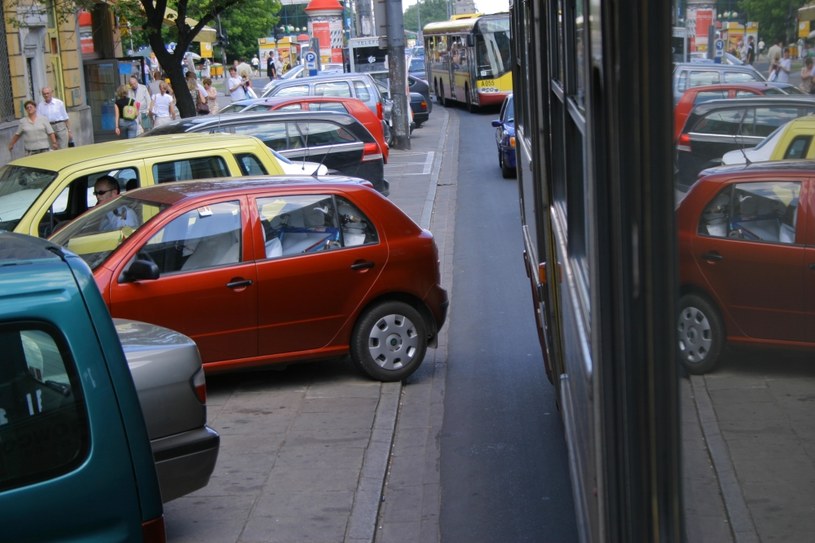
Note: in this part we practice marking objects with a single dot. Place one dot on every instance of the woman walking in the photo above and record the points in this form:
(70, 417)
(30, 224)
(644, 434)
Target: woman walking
(126, 112)
(212, 96)
(36, 131)
(163, 106)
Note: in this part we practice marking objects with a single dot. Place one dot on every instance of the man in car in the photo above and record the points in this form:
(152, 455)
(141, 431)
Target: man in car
(106, 189)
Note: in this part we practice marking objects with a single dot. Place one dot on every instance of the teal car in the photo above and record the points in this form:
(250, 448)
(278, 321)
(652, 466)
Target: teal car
(75, 458)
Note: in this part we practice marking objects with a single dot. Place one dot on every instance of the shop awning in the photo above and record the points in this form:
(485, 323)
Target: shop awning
(207, 34)
(806, 13)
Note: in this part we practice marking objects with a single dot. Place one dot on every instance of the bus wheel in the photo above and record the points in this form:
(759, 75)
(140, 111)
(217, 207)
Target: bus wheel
(470, 106)
(440, 95)
(700, 333)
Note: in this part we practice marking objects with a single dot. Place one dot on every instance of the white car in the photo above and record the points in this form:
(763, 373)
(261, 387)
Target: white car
(300, 167)
(759, 153)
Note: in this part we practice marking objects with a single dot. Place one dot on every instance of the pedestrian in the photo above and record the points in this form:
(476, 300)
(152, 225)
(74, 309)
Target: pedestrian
(751, 51)
(271, 68)
(163, 105)
(153, 87)
(141, 95)
(126, 118)
(236, 85)
(211, 95)
(255, 65)
(198, 93)
(784, 67)
(806, 76)
(53, 109)
(774, 56)
(36, 131)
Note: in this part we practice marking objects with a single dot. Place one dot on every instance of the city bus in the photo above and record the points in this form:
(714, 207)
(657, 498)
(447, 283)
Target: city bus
(468, 59)
(593, 108)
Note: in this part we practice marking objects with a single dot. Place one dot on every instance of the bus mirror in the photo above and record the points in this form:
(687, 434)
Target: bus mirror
(470, 41)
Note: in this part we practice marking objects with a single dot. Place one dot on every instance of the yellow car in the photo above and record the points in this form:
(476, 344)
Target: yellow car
(38, 193)
(792, 140)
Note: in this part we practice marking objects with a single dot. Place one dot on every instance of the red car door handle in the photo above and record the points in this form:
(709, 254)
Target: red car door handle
(239, 283)
(362, 265)
(712, 256)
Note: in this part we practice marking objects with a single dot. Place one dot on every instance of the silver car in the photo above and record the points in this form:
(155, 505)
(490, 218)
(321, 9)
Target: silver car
(169, 379)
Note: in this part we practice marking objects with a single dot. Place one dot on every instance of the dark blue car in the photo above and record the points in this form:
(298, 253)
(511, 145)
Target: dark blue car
(505, 137)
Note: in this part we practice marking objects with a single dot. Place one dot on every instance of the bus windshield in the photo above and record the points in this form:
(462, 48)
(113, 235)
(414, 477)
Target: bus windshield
(492, 47)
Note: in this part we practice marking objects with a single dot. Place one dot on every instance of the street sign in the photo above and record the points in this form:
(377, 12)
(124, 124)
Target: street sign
(311, 62)
(719, 51)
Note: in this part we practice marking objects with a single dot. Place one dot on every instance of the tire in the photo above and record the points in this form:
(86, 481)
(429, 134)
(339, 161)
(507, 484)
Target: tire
(470, 106)
(506, 171)
(700, 333)
(389, 341)
(440, 95)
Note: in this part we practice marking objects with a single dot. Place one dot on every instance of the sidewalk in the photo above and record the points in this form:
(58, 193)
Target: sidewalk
(308, 460)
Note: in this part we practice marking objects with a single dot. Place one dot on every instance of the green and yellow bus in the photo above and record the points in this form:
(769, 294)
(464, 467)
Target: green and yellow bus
(468, 59)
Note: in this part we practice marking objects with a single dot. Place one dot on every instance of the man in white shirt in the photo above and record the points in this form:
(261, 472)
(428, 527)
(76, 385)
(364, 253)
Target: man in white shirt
(54, 110)
(141, 95)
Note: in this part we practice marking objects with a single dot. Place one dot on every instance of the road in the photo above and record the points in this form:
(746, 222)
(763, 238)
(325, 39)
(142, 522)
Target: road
(475, 449)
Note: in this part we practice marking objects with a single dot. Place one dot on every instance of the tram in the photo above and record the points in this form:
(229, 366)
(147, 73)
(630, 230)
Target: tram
(592, 111)
(468, 59)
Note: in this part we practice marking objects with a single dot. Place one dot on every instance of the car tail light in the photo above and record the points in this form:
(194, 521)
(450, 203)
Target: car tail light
(424, 104)
(683, 143)
(152, 531)
(379, 111)
(371, 152)
(199, 383)
(512, 141)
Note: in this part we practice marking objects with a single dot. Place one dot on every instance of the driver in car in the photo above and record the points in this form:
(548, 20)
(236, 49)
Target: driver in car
(106, 189)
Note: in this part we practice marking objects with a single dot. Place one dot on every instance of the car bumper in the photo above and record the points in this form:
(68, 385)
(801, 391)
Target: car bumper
(438, 302)
(185, 461)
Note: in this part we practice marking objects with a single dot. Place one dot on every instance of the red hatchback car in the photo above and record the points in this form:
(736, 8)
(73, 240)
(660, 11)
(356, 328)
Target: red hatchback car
(705, 93)
(352, 106)
(264, 271)
(746, 260)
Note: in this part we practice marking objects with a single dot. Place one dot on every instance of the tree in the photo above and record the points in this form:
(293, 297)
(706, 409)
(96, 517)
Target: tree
(255, 19)
(423, 12)
(776, 19)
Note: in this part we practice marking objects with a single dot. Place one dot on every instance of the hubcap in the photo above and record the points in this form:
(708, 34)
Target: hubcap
(695, 335)
(393, 341)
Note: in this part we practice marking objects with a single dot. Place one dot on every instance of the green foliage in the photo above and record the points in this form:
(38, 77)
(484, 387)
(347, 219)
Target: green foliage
(776, 19)
(253, 19)
(427, 11)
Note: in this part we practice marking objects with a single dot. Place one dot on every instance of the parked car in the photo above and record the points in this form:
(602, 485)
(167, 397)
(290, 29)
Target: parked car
(705, 93)
(716, 127)
(694, 74)
(505, 137)
(351, 85)
(172, 389)
(745, 266)
(416, 67)
(352, 106)
(790, 141)
(38, 193)
(418, 84)
(75, 460)
(301, 167)
(334, 139)
(294, 72)
(420, 108)
(272, 271)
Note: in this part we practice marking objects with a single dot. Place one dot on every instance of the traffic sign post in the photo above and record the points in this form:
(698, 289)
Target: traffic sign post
(311, 62)
(718, 52)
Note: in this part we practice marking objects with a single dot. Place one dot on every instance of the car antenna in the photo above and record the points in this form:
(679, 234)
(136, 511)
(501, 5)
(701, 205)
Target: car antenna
(741, 143)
